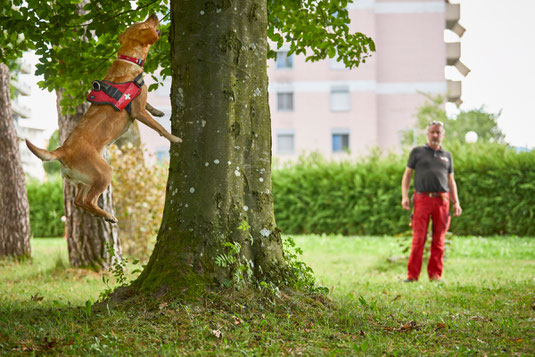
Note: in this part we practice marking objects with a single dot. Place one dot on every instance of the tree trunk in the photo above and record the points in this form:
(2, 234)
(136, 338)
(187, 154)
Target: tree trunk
(14, 207)
(87, 235)
(220, 176)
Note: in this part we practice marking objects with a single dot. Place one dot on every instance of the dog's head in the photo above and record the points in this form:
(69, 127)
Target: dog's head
(142, 33)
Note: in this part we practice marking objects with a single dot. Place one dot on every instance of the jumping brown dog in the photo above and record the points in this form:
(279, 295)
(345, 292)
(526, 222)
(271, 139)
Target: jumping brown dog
(81, 154)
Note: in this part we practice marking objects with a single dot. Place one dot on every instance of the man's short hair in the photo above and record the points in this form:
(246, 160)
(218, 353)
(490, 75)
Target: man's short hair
(436, 122)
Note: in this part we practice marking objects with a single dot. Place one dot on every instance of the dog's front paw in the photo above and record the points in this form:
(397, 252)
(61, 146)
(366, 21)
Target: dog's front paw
(111, 219)
(175, 139)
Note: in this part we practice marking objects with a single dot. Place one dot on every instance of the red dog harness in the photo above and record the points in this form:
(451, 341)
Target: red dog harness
(118, 95)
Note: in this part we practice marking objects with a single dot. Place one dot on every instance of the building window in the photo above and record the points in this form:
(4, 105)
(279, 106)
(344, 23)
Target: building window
(162, 154)
(284, 61)
(285, 101)
(340, 140)
(340, 99)
(285, 141)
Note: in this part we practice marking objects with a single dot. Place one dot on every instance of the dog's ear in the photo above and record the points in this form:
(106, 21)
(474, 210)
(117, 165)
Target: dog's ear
(123, 38)
(148, 36)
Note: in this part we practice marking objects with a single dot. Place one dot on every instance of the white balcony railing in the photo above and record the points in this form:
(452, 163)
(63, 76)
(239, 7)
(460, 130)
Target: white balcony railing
(453, 52)
(21, 110)
(25, 67)
(21, 87)
(453, 14)
(454, 92)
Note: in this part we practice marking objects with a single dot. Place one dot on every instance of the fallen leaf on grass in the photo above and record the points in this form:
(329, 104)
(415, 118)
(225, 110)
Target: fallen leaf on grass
(163, 305)
(440, 325)
(29, 346)
(216, 333)
(236, 320)
(408, 326)
(37, 297)
(22, 349)
(24, 346)
(47, 344)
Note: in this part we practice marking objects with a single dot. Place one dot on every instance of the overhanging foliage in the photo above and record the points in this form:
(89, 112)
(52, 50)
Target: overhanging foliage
(76, 40)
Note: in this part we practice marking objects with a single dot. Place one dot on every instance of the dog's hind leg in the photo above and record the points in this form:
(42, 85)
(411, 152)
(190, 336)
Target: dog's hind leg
(153, 111)
(81, 192)
(101, 180)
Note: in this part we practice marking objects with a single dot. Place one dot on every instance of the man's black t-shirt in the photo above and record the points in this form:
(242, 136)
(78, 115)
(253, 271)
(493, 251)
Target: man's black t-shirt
(431, 169)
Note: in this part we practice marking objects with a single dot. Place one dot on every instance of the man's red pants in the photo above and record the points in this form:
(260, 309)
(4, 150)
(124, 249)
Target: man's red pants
(424, 207)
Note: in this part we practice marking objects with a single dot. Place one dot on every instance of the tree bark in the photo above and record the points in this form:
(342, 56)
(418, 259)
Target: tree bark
(14, 207)
(87, 236)
(220, 176)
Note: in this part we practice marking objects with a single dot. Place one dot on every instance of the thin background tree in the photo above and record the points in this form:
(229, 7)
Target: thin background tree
(14, 208)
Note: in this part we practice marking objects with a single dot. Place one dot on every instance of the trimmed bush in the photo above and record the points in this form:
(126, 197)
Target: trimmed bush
(138, 197)
(496, 189)
(46, 208)
(319, 196)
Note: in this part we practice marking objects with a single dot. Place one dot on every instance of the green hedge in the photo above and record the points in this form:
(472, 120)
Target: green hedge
(496, 190)
(46, 208)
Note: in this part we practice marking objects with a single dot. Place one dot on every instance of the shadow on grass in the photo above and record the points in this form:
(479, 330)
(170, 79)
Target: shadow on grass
(396, 263)
(228, 320)
(31, 328)
(60, 271)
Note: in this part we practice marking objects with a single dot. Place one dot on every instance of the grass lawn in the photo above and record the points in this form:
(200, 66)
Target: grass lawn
(486, 306)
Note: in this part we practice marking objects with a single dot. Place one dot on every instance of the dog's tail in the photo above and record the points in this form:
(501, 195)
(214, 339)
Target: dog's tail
(44, 155)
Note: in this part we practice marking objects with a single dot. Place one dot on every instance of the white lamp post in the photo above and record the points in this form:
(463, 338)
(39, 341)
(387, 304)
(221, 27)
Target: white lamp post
(471, 137)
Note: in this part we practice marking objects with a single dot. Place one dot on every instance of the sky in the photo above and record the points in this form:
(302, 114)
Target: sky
(497, 46)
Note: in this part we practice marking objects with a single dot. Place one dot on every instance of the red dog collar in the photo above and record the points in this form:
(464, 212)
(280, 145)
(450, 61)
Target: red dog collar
(135, 60)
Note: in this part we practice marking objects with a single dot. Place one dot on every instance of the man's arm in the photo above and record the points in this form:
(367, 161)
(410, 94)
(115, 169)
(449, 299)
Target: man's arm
(405, 184)
(457, 210)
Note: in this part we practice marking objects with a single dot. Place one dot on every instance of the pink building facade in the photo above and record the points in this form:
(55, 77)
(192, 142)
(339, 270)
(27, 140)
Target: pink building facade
(324, 107)
(327, 108)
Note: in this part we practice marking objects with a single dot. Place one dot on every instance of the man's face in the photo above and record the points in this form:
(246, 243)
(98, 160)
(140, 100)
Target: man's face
(435, 134)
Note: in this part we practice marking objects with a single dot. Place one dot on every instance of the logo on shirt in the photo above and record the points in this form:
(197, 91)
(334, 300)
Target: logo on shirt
(445, 159)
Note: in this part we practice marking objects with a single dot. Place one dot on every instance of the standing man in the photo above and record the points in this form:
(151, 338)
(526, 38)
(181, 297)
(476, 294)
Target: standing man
(434, 187)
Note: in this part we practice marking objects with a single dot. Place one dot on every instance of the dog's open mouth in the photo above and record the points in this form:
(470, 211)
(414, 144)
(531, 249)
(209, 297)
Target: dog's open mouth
(158, 32)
